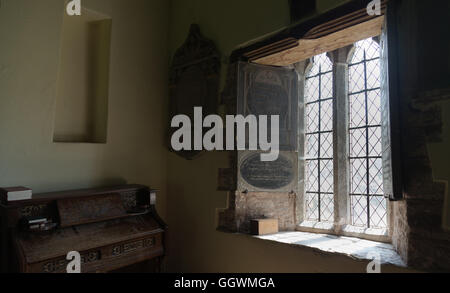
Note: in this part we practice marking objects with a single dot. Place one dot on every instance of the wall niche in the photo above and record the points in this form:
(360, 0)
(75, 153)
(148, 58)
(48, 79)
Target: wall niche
(83, 79)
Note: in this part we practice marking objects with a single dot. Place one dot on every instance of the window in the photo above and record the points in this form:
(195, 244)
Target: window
(368, 205)
(354, 189)
(344, 160)
(319, 141)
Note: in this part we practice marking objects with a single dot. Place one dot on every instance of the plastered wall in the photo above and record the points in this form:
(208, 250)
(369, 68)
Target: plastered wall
(30, 38)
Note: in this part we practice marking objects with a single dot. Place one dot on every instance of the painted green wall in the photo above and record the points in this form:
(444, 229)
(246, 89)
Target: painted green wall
(30, 36)
(227, 23)
(232, 23)
(194, 243)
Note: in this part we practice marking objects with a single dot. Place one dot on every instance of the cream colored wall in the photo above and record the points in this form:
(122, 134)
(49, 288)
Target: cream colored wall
(194, 243)
(30, 35)
(83, 78)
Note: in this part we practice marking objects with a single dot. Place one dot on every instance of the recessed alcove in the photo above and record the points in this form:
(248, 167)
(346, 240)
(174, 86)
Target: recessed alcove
(83, 79)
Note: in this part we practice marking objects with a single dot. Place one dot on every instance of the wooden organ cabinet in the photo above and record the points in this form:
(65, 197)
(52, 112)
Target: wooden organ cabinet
(111, 228)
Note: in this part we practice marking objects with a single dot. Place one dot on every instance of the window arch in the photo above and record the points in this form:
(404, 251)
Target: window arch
(319, 185)
(367, 203)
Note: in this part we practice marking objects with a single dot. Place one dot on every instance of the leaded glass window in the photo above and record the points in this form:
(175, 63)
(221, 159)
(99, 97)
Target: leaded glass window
(319, 197)
(368, 205)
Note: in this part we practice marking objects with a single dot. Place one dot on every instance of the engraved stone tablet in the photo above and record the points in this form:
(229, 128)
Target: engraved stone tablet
(277, 176)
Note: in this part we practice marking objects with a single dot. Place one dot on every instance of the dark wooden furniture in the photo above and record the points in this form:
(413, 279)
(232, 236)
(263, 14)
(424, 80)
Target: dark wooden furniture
(111, 228)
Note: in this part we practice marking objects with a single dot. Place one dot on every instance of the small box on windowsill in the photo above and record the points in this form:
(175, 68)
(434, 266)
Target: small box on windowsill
(263, 226)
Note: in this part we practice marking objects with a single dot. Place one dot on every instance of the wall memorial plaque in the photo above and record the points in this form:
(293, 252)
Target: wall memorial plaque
(194, 81)
(276, 176)
(268, 90)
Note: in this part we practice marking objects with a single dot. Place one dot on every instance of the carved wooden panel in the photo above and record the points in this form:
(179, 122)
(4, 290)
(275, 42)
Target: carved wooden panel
(34, 210)
(133, 246)
(81, 211)
(129, 200)
(109, 256)
(60, 265)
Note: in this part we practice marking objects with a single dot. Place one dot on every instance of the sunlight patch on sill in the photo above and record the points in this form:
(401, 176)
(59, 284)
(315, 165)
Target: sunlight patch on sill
(373, 234)
(352, 247)
(318, 225)
(366, 231)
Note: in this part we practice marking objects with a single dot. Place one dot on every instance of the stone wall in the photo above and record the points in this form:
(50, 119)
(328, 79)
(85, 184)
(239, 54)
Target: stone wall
(418, 234)
(244, 206)
(258, 205)
(418, 220)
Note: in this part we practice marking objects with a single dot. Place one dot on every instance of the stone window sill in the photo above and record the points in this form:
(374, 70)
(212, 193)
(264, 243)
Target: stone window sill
(353, 247)
(378, 235)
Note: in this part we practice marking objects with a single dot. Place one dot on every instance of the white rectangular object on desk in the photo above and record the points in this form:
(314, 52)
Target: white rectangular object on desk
(16, 193)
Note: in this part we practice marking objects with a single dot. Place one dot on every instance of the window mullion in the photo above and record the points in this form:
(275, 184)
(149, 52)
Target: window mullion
(340, 59)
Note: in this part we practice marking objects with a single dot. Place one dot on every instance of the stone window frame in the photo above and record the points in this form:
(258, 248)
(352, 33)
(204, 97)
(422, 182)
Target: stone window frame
(340, 58)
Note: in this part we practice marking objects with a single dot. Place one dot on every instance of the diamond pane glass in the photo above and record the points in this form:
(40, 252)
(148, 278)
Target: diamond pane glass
(312, 89)
(319, 204)
(371, 48)
(326, 83)
(368, 205)
(312, 206)
(326, 176)
(375, 142)
(374, 107)
(359, 210)
(312, 118)
(324, 62)
(358, 143)
(376, 176)
(327, 208)
(326, 145)
(356, 78)
(358, 173)
(373, 74)
(357, 110)
(312, 146)
(378, 215)
(312, 184)
(326, 115)
(315, 69)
